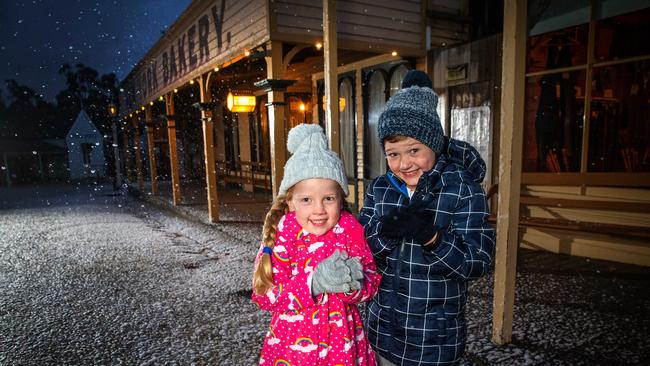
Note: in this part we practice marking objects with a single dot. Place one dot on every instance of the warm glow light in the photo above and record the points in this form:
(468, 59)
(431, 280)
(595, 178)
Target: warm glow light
(319, 46)
(302, 107)
(175, 90)
(112, 110)
(130, 114)
(216, 68)
(341, 103)
(192, 81)
(394, 53)
(241, 103)
(142, 108)
(151, 103)
(161, 98)
(247, 53)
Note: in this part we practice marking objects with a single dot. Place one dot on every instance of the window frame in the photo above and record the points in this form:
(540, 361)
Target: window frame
(584, 177)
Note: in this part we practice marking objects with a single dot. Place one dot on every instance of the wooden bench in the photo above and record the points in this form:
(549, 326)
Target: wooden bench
(631, 231)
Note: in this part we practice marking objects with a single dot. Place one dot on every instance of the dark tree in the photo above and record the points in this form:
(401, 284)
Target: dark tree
(27, 114)
(87, 90)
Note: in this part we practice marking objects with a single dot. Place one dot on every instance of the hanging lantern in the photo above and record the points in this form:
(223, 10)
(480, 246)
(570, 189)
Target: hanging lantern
(239, 101)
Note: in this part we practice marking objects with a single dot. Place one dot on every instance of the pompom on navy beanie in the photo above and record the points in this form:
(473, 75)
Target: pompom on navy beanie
(416, 77)
(412, 113)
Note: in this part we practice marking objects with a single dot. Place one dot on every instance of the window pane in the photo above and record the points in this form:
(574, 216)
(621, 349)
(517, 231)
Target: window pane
(377, 99)
(396, 79)
(473, 125)
(620, 116)
(550, 15)
(347, 134)
(623, 36)
(553, 122)
(566, 47)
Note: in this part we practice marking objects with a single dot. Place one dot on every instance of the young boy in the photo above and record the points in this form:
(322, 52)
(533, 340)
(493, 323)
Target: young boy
(426, 224)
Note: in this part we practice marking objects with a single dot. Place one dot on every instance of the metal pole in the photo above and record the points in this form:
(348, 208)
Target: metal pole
(116, 154)
(6, 162)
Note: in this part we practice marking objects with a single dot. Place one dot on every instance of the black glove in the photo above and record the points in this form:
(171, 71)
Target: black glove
(414, 222)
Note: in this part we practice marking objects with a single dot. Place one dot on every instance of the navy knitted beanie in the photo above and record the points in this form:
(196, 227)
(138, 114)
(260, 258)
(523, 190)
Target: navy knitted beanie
(412, 113)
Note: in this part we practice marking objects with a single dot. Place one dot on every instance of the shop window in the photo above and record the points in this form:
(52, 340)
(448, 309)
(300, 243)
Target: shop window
(346, 128)
(620, 118)
(376, 161)
(396, 79)
(623, 36)
(546, 16)
(473, 125)
(557, 49)
(554, 119)
(618, 99)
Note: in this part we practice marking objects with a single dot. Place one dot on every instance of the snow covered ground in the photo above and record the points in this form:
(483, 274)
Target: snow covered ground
(91, 277)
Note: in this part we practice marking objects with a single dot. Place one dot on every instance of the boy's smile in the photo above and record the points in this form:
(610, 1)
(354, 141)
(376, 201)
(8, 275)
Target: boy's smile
(408, 158)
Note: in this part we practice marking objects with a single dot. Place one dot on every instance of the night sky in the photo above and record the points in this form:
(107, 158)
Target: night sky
(37, 37)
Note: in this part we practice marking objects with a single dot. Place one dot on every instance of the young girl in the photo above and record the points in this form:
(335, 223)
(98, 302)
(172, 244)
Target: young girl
(313, 266)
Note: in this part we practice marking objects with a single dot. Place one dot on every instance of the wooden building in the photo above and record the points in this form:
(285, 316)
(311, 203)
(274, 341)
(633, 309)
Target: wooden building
(557, 104)
(272, 59)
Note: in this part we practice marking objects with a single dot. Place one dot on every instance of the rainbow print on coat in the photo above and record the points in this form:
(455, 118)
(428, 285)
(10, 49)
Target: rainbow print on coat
(304, 341)
(295, 303)
(304, 345)
(281, 363)
(282, 256)
(300, 234)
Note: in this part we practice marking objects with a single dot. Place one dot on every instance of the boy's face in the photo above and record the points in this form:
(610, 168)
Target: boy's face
(408, 158)
(317, 204)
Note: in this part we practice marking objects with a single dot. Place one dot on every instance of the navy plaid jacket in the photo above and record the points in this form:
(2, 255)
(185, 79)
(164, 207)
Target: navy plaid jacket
(417, 316)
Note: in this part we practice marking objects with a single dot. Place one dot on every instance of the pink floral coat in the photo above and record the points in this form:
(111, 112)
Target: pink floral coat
(322, 330)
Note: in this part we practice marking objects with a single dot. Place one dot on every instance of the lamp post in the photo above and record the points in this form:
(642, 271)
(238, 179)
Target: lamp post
(304, 112)
(112, 111)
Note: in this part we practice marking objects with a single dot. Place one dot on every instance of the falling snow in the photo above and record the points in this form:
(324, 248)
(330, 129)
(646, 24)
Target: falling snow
(109, 36)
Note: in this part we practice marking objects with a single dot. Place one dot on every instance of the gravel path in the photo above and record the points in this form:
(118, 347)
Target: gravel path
(92, 279)
(88, 277)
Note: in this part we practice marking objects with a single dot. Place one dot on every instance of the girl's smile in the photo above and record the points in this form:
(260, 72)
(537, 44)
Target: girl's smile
(317, 204)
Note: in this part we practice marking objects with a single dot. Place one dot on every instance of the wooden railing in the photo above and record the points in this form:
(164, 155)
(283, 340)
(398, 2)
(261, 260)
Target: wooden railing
(257, 174)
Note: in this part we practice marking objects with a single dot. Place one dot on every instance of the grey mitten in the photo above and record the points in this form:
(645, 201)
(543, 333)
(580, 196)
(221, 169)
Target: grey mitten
(356, 272)
(332, 274)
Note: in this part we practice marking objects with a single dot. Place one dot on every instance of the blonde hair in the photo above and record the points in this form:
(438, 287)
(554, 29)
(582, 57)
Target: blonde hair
(263, 275)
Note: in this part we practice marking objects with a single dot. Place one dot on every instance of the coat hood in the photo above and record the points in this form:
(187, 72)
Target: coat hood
(463, 154)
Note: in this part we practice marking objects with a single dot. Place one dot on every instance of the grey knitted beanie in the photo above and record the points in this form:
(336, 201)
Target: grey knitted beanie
(412, 113)
(311, 159)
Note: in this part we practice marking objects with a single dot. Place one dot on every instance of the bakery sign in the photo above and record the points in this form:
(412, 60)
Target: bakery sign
(181, 53)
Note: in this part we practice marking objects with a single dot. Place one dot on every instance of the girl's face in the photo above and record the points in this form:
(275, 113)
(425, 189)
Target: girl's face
(408, 158)
(317, 204)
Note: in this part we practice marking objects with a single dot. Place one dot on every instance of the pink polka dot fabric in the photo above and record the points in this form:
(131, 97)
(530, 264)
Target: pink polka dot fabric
(322, 330)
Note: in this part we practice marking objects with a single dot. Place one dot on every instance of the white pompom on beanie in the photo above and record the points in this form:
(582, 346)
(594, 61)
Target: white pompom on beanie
(311, 158)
